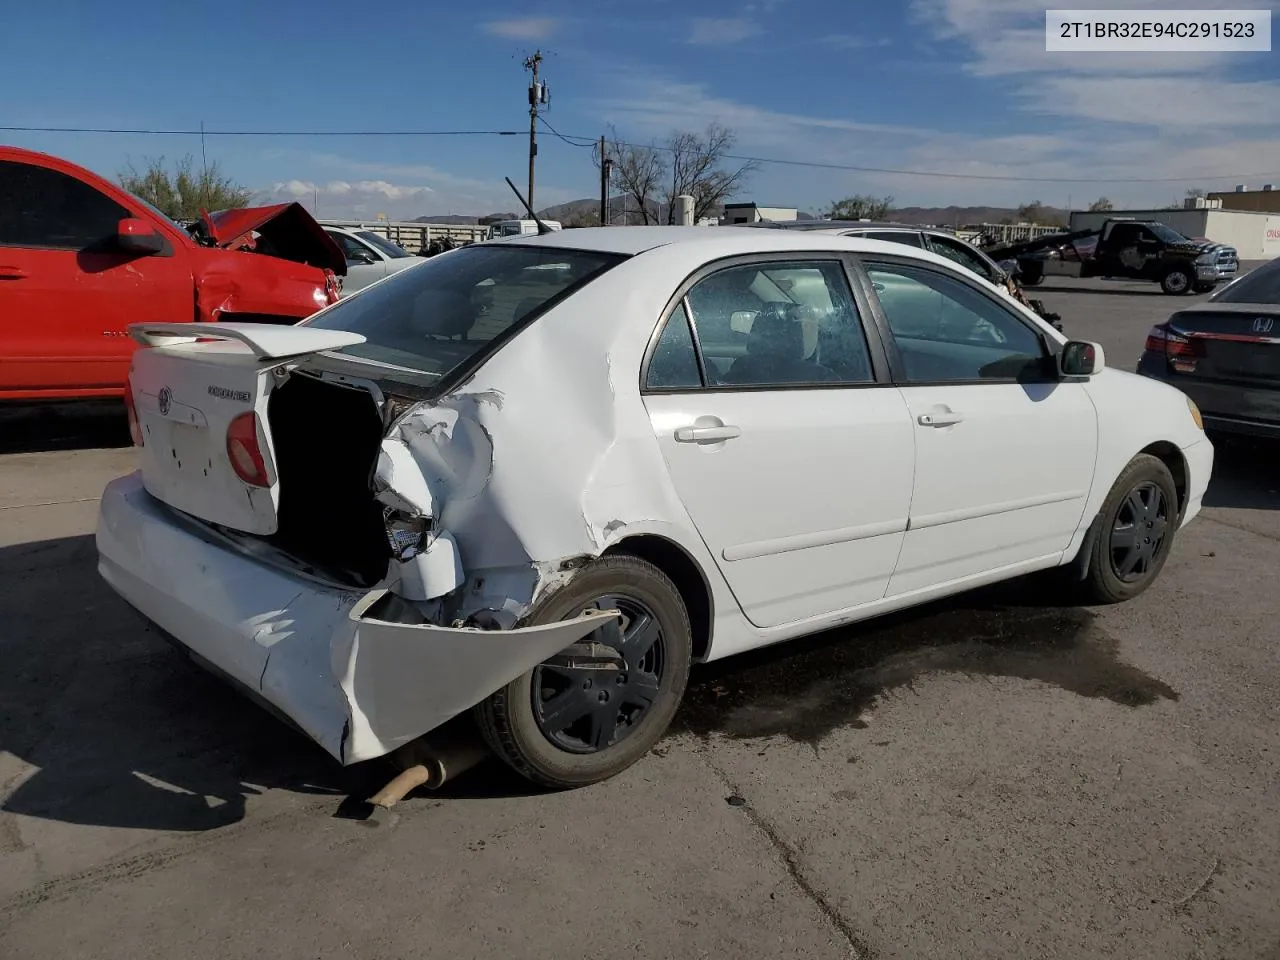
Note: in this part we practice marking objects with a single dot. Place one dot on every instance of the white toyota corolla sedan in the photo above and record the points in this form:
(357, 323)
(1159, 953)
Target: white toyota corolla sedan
(537, 478)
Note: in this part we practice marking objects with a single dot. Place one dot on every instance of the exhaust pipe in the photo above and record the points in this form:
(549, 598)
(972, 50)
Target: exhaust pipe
(431, 761)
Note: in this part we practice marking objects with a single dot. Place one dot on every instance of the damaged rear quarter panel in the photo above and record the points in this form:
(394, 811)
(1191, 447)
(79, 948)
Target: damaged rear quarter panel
(547, 454)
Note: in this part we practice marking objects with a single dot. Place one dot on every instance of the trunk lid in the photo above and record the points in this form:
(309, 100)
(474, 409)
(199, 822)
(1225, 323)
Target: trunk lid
(286, 230)
(188, 388)
(1238, 342)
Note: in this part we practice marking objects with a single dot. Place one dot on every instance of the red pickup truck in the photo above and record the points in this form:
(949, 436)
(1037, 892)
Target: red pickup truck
(81, 259)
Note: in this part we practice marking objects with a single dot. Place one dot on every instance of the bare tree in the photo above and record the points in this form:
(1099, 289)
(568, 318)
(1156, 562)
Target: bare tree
(696, 170)
(1101, 204)
(860, 207)
(636, 171)
(686, 163)
(185, 192)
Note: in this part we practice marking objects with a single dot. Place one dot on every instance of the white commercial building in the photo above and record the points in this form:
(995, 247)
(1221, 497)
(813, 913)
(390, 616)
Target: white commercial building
(1255, 235)
(753, 213)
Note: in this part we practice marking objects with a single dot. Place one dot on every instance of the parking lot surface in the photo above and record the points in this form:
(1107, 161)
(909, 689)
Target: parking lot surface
(994, 776)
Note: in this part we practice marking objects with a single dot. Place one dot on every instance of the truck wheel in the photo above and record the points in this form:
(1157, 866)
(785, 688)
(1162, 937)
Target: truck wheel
(1177, 281)
(593, 710)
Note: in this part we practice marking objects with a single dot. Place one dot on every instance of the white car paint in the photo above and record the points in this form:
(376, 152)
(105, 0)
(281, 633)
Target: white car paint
(811, 508)
(370, 257)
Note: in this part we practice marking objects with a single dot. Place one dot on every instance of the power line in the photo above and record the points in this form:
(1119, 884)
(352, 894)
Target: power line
(267, 133)
(582, 141)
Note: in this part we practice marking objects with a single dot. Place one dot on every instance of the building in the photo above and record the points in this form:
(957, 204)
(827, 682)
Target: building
(1266, 200)
(1255, 235)
(753, 213)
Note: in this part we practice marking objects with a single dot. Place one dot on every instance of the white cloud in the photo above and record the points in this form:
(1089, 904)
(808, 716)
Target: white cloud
(709, 31)
(522, 28)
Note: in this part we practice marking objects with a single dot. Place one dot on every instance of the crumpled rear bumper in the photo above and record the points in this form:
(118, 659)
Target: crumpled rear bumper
(358, 685)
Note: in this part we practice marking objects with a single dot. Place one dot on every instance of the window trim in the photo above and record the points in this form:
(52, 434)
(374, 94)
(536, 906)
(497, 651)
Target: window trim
(881, 367)
(1049, 347)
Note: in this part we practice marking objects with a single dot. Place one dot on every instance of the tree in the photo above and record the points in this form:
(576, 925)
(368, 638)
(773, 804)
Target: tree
(182, 194)
(860, 207)
(1101, 204)
(686, 163)
(1036, 212)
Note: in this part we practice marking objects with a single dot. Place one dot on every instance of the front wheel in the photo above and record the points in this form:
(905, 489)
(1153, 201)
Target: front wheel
(1139, 520)
(1177, 281)
(594, 709)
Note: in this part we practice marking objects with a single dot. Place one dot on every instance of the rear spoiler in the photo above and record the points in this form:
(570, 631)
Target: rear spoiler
(268, 341)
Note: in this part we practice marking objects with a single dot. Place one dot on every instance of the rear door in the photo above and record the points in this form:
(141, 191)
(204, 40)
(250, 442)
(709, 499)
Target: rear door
(67, 293)
(787, 444)
(1004, 451)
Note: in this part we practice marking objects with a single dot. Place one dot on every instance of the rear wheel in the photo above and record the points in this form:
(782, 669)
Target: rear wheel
(1139, 519)
(597, 707)
(1177, 281)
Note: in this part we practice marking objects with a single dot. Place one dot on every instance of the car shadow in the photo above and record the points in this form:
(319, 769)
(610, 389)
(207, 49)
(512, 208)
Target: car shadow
(82, 425)
(122, 730)
(1245, 475)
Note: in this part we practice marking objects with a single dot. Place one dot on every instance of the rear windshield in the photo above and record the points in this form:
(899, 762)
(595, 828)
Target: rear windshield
(444, 313)
(1256, 286)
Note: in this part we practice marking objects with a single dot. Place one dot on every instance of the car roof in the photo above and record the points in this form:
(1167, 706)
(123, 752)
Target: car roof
(702, 241)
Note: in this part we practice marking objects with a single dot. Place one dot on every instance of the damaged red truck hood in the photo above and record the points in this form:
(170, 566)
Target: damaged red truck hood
(289, 232)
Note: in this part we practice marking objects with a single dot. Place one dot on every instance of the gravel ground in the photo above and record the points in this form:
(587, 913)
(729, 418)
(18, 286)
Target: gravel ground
(990, 777)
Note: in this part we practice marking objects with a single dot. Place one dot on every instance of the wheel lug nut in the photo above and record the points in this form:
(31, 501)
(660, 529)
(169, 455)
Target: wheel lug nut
(604, 696)
(586, 684)
(622, 678)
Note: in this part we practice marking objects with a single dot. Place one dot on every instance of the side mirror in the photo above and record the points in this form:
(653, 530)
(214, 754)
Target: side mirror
(138, 236)
(1080, 358)
(361, 256)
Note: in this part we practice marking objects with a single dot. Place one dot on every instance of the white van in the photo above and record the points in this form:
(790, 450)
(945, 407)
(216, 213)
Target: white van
(513, 228)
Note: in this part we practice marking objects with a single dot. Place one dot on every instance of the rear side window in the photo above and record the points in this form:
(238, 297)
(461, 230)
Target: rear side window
(446, 312)
(40, 207)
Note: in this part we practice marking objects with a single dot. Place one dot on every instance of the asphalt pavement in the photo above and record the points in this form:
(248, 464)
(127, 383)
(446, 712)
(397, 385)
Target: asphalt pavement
(994, 776)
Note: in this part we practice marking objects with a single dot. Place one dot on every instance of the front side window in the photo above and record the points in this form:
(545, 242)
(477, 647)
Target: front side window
(392, 250)
(947, 331)
(40, 207)
(438, 316)
(779, 324)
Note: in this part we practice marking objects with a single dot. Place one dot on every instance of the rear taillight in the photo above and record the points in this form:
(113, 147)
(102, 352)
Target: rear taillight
(1180, 351)
(135, 428)
(245, 452)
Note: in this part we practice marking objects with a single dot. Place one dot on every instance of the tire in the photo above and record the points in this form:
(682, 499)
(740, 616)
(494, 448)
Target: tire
(1107, 579)
(516, 722)
(1177, 281)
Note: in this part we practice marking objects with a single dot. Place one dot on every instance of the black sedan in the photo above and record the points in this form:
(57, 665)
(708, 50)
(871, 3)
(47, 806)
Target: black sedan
(1224, 353)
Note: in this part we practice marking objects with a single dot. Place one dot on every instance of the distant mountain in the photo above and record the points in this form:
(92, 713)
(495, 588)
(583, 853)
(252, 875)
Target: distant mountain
(446, 218)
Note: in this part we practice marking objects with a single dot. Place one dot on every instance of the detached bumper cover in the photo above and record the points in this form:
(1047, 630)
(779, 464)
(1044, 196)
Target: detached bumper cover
(357, 685)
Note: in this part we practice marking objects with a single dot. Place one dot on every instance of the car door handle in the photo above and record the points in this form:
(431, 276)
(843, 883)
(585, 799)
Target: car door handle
(939, 419)
(12, 273)
(707, 434)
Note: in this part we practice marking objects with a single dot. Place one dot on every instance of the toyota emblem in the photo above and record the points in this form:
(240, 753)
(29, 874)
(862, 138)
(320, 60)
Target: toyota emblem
(165, 398)
(1263, 324)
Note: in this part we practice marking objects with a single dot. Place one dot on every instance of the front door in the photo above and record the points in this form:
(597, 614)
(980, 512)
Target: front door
(364, 264)
(1004, 450)
(786, 443)
(67, 292)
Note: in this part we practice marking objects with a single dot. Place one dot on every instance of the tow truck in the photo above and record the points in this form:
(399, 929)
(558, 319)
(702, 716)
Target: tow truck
(1131, 249)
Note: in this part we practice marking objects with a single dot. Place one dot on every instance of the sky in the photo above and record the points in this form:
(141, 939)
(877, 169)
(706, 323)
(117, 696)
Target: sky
(929, 86)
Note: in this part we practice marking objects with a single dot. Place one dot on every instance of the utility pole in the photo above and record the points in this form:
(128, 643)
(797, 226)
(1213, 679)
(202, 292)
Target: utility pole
(537, 97)
(606, 167)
